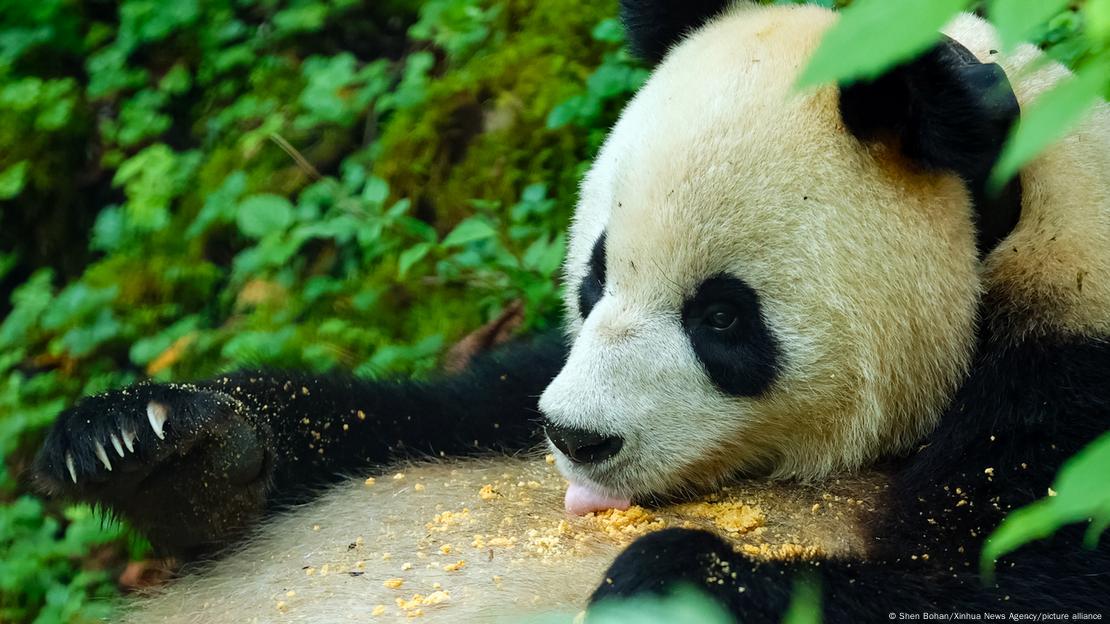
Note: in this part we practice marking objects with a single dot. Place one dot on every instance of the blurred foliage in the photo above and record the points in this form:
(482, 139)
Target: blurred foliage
(191, 187)
(188, 187)
(1074, 33)
(1080, 494)
(685, 605)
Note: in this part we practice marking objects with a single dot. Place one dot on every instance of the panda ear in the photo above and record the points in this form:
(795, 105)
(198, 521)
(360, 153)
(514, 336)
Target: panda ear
(945, 110)
(653, 26)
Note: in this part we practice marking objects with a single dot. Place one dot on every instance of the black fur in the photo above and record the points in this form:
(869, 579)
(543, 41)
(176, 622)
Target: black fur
(742, 360)
(947, 111)
(592, 287)
(239, 446)
(654, 26)
(1028, 405)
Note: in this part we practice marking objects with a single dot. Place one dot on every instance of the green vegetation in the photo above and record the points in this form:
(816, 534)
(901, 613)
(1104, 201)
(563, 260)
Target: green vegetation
(197, 186)
(188, 187)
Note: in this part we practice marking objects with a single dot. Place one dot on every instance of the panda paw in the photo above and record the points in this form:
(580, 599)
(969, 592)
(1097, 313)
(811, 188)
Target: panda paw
(105, 446)
(657, 563)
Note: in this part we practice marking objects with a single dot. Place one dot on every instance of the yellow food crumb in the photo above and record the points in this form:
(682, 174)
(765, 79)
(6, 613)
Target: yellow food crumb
(346, 427)
(454, 567)
(445, 549)
(378, 610)
(398, 476)
(447, 519)
(549, 458)
(386, 556)
(309, 571)
(406, 566)
(281, 605)
(437, 597)
(989, 472)
(361, 415)
(412, 606)
(1051, 492)
(393, 583)
(419, 487)
(624, 525)
(371, 481)
(315, 527)
(290, 594)
(487, 492)
(731, 516)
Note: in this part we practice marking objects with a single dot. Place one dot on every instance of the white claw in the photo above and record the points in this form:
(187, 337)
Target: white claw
(116, 444)
(128, 439)
(156, 414)
(103, 456)
(72, 470)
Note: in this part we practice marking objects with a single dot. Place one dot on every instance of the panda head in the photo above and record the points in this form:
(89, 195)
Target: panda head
(763, 281)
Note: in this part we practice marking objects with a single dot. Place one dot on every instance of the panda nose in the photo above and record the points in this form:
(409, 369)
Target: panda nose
(582, 446)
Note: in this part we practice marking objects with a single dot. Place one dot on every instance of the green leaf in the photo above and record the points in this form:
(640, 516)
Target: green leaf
(376, 191)
(411, 256)
(565, 112)
(109, 230)
(534, 192)
(177, 80)
(805, 607)
(263, 214)
(1097, 15)
(1049, 117)
(12, 180)
(470, 230)
(609, 30)
(1081, 493)
(1016, 20)
(873, 35)
(685, 605)
(220, 206)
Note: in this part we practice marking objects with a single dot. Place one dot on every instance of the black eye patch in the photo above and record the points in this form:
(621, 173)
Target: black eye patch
(730, 337)
(593, 285)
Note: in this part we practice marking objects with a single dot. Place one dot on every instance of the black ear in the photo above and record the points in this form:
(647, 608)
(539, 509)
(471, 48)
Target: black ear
(653, 26)
(946, 110)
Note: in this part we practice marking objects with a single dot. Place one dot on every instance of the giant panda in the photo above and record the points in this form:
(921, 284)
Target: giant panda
(805, 302)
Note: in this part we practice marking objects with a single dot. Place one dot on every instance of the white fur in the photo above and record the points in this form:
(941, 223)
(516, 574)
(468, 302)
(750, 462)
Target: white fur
(555, 560)
(866, 270)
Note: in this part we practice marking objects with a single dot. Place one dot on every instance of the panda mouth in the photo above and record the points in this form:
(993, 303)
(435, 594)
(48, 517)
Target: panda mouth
(582, 499)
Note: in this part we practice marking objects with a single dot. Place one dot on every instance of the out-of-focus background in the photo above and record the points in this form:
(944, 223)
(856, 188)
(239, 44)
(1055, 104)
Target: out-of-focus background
(197, 185)
(191, 186)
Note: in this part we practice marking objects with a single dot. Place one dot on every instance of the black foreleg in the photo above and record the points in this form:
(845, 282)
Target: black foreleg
(196, 465)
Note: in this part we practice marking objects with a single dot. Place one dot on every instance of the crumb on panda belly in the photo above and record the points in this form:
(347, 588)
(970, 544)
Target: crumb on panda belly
(483, 539)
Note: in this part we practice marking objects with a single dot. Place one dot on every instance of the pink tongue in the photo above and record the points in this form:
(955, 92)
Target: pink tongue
(581, 500)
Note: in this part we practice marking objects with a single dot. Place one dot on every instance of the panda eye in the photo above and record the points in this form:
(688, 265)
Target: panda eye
(730, 336)
(721, 316)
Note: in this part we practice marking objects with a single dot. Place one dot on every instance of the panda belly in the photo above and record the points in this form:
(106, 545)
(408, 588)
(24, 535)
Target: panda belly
(482, 540)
